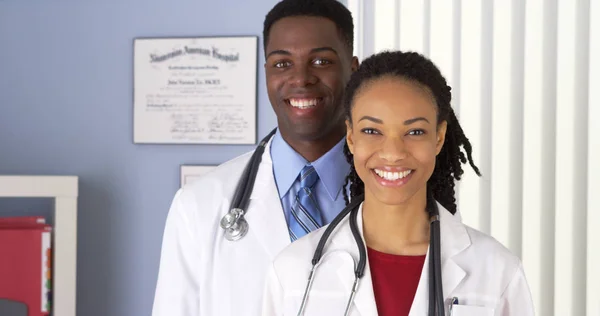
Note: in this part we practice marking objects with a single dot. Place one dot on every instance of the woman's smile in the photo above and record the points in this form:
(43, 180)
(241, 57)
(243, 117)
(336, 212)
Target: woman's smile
(392, 177)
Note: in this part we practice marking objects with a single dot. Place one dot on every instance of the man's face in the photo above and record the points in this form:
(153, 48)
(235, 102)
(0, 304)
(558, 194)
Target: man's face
(307, 67)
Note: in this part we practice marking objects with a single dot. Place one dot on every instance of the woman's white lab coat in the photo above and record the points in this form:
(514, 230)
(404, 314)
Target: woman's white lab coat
(203, 274)
(485, 277)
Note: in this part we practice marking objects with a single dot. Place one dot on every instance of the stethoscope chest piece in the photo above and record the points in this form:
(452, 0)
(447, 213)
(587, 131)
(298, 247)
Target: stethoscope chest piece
(234, 224)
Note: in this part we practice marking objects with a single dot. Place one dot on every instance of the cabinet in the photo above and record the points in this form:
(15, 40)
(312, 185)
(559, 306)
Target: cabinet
(64, 191)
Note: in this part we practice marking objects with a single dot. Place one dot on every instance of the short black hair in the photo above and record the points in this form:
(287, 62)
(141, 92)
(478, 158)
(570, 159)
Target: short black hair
(329, 9)
(416, 68)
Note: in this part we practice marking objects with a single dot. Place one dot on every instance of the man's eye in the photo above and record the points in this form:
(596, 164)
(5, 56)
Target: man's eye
(282, 64)
(321, 62)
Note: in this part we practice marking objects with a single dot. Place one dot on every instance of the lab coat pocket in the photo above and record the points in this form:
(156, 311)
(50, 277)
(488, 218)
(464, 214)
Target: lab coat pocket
(466, 310)
(319, 303)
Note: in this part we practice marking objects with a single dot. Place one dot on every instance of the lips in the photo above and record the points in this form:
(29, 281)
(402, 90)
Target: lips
(392, 176)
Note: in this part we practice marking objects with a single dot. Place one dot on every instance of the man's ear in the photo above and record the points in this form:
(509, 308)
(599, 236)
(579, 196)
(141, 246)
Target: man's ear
(349, 139)
(441, 136)
(355, 63)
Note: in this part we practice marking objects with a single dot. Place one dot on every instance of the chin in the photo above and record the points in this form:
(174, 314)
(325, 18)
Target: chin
(394, 196)
(392, 199)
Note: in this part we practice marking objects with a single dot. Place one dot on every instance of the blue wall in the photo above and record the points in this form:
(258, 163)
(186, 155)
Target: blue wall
(66, 109)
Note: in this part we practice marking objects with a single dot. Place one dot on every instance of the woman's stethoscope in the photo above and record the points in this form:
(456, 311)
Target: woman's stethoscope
(236, 227)
(233, 222)
(436, 298)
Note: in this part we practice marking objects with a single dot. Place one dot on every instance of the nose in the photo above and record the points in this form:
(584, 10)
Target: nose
(302, 76)
(393, 150)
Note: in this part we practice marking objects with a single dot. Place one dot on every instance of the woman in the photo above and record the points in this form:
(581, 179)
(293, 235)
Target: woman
(404, 145)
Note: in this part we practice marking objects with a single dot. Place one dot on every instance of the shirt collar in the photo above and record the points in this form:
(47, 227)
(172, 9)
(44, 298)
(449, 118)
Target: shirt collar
(332, 167)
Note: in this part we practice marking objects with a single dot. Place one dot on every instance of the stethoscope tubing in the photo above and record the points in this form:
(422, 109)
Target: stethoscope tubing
(233, 223)
(436, 298)
(249, 176)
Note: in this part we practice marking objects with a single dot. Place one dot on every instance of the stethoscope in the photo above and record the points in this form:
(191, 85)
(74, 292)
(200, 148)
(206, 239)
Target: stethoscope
(233, 222)
(236, 227)
(436, 298)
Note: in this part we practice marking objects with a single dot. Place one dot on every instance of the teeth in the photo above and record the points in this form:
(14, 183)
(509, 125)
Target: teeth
(388, 175)
(303, 103)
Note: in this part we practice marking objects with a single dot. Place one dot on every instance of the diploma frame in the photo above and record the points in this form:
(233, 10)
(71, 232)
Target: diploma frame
(239, 126)
(190, 173)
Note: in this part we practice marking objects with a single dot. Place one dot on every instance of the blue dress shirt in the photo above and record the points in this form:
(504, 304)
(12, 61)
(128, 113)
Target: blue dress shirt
(332, 169)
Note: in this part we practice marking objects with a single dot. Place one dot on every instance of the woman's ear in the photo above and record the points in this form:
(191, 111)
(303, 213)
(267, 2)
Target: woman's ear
(349, 139)
(441, 136)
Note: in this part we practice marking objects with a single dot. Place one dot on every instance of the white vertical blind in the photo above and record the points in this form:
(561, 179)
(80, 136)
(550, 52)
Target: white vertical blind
(571, 143)
(470, 114)
(505, 144)
(593, 165)
(525, 76)
(538, 167)
(412, 25)
(385, 11)
(564, 168)
(441, 44)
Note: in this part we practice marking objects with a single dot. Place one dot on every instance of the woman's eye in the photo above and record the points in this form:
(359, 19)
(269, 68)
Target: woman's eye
(369, 131)
(416, 132)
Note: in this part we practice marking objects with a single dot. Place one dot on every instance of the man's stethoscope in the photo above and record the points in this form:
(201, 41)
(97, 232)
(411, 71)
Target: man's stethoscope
(436, 298)
(233, 222)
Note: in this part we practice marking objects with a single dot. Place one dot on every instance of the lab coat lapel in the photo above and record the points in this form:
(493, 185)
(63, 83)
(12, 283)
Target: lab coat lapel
(265, 215)
(364, 302)
(454, 239)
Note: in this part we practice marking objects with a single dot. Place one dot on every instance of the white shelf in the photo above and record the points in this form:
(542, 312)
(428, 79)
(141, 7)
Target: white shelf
(64, 190)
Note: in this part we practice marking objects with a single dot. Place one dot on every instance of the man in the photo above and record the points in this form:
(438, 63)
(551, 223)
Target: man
(308, 48)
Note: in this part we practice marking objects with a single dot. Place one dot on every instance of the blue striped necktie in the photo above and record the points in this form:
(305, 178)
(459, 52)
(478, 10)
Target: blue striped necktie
(305, 214)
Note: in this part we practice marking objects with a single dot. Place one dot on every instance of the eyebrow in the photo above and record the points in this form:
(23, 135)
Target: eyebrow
(416, 119)
(379, 121)
(312, 51)
(372, 119)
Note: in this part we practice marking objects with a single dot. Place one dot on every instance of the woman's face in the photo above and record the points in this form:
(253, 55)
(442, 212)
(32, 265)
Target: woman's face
(395, 138)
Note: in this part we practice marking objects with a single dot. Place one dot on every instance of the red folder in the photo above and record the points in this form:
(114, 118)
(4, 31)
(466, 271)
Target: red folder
(25, 263)
(36, 221)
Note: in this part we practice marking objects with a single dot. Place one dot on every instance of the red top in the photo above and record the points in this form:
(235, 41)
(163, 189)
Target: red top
(395, 280)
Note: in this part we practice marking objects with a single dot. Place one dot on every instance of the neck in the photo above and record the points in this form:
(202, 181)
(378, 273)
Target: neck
(397, 229)
(312, 150)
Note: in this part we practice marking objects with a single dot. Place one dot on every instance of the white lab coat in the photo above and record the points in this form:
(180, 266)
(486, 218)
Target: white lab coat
(202, 273)
(485, 277)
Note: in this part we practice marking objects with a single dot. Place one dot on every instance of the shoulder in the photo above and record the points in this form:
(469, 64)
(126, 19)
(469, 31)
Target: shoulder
(224, 176)
(300, 252)
(478, 253)
(488, 259)
(490, 250)
(203, 199)
(505, 286)
(222, 172)
(293, 263)
(469, 243)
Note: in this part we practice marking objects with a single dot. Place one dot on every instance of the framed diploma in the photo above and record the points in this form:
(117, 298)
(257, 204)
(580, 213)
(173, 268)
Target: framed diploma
(200, 90)
(190, 173)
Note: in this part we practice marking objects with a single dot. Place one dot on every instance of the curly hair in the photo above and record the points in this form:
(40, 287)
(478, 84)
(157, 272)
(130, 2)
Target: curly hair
(329, 9)
(417, 68)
